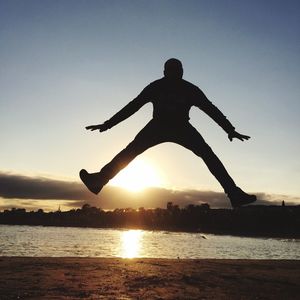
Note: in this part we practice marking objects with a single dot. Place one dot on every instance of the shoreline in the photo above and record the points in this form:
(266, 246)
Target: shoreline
(270, 221)
(292, 236)
(146, 278)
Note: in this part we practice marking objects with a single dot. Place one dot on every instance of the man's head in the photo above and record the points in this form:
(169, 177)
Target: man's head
(173, 68)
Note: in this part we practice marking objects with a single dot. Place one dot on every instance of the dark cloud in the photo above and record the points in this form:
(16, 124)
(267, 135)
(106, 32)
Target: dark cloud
(25, 187)
(75, 194)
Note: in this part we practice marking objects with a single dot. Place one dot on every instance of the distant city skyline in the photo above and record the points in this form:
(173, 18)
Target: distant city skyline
(69, 64)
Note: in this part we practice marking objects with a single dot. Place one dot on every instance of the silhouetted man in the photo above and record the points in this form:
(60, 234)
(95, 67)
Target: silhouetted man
(172, 97)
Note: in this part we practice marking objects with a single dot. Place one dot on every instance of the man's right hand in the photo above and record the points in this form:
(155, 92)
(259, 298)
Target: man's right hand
(100, 127)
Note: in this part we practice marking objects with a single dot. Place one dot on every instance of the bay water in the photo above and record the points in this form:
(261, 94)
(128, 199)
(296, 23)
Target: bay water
(90, 242)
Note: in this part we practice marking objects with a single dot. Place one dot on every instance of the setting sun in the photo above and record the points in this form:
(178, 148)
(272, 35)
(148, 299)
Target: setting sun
(138, 175)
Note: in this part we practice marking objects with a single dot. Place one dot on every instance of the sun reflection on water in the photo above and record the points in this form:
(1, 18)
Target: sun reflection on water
(131, 243)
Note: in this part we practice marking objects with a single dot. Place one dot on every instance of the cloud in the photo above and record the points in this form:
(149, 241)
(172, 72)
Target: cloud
(75, 194)
(25, 187)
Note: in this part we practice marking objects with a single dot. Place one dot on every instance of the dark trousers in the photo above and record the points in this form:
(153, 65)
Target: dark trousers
(182, 133)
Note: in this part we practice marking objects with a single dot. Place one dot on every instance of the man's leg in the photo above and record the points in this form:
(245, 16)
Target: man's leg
(191, 139)
(148, 137)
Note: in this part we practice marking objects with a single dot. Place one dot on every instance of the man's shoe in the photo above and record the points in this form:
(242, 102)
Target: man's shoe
(92, 181)
(239, 198)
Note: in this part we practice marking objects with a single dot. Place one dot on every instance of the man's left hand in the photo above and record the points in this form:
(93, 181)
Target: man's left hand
(237, 135)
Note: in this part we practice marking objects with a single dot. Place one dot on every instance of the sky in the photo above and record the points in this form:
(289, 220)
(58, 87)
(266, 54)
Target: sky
(68, 64)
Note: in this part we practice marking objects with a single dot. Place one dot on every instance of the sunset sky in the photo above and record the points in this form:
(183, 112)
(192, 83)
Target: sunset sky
(68, 64)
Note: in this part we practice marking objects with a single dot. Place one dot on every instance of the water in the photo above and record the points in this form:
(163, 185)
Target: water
(88, 242)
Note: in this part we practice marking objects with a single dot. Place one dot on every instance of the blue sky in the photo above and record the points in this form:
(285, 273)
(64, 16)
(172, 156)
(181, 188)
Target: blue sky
(68, 64)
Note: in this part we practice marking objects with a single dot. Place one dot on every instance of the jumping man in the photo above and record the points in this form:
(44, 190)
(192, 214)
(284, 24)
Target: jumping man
(172, 98)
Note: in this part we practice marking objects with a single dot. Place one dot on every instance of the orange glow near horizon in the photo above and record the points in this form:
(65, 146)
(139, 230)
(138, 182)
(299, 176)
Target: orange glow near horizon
(137, 176)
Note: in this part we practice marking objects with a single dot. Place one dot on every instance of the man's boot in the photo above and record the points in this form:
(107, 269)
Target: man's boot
(238, 198)
(94, 182)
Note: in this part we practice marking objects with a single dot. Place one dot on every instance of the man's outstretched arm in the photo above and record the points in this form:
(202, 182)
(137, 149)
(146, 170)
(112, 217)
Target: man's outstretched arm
(124, 113)
(204, 104)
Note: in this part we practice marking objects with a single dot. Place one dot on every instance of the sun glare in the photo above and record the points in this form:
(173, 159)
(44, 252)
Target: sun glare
(138, 175)
(131, 243)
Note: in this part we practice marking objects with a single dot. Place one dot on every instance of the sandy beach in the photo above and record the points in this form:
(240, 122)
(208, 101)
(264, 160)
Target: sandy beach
(113, 278)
